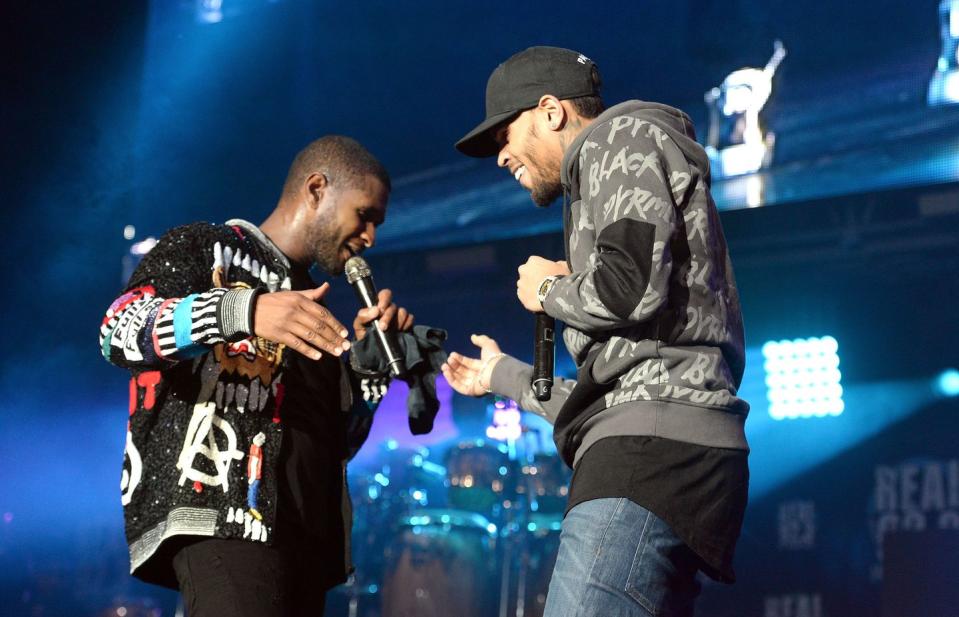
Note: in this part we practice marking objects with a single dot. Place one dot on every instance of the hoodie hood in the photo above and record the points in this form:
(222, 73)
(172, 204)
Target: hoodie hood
(674, 121)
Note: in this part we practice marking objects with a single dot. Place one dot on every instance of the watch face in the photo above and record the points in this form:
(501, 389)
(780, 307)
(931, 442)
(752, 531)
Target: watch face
(544, 288)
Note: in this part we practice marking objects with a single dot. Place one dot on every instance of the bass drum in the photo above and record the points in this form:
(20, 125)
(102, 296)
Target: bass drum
(480, 477)
(544, 482)
(442, 563)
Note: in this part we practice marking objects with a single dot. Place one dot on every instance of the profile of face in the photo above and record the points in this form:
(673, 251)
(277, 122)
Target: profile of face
(529, 158)
(346, 222)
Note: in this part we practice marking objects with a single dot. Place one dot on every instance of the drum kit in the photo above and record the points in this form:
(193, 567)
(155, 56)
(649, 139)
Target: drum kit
(474, 536)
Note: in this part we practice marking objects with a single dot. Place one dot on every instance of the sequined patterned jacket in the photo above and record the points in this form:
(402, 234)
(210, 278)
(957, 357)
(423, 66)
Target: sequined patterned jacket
(207, 401)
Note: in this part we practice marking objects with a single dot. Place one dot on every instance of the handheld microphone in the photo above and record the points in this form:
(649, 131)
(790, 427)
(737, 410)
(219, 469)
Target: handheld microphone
(359, 276)
(543, 352)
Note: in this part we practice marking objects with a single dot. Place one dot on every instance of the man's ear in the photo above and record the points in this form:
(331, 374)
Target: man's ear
(315, 187)
(553, 112)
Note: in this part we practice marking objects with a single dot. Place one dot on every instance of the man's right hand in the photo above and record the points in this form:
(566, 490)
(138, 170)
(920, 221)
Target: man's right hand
(471, 376)
(295, 319)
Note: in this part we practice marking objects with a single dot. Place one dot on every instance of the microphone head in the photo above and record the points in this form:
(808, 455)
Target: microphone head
(355, 269)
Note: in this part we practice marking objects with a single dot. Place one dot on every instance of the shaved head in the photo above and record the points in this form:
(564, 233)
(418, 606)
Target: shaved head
(344, 162)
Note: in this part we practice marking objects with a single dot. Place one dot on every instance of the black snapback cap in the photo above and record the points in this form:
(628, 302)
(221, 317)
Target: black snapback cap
(517, 85)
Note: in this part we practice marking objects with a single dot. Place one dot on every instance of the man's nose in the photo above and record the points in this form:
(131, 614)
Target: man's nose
(369, 235)
(502, 159)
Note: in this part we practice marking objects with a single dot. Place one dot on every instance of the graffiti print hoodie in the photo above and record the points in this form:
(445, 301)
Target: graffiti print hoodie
(651, 308)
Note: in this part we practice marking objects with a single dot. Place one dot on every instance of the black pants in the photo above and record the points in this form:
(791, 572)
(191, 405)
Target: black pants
(236, 578)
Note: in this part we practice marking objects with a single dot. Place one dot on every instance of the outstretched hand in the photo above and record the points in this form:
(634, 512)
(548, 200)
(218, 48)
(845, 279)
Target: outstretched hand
(297, 320)
(471, 376)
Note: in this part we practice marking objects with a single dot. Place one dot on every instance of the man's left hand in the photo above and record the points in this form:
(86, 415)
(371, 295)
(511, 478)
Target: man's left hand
(531, 274)
(386, 313)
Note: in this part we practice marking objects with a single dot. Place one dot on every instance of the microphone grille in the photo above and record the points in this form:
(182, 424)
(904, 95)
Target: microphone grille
(356, 268)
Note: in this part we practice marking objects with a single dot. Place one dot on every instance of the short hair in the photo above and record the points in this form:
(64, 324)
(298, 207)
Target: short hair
(592, 105)
(343, 160)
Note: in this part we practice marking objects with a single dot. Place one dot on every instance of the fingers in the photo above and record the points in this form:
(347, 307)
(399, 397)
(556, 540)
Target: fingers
(464, 363)
(457, 382)
(305, 341)
(458, 368)
(396, 316)
(294, 319)
(461, 376)
(320, 319)
(297, 343)
(405, 320)
(487, 345)
(479, 339)
(315, 294)
(366, 315)
(320, 334)
(388, 314)
(384, 299)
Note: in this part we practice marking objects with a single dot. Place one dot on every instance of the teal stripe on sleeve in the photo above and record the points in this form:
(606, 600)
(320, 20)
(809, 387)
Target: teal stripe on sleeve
(105, 347)
(183, 323)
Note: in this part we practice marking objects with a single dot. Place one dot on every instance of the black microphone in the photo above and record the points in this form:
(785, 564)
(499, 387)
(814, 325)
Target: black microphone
(359, 276)
(543, 356)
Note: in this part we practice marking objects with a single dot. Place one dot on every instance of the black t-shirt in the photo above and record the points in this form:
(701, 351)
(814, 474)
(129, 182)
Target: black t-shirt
(700, 492)
(310, 470)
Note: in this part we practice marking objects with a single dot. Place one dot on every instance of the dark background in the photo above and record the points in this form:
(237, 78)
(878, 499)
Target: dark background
(118, 113)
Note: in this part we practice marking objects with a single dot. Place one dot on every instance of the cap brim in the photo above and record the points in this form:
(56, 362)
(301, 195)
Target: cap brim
(479, 142)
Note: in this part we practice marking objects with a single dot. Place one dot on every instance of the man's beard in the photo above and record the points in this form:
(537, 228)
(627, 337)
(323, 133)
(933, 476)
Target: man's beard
(326, 246)
(545, 176)
(546, 192)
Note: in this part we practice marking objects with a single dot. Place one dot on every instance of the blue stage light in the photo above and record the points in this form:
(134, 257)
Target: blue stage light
(803, 378)
(944, 85)
(209, 11)
(948, 383)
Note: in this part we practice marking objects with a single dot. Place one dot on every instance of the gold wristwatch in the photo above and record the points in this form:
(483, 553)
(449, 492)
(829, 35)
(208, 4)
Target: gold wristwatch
(545, 286)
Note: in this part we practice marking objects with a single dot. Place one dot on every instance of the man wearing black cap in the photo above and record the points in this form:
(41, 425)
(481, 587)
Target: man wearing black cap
(652, 425)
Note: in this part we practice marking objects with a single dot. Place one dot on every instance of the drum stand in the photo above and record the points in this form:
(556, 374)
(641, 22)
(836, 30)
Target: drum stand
(528, 530)
(504, 580)
(517, 544)
(517, 541)
(521, 581)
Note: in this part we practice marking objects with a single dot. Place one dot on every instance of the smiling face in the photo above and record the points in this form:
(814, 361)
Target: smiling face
(532, 160)
(346, 222)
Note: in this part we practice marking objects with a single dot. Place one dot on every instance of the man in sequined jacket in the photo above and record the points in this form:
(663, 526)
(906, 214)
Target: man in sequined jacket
(242, 411)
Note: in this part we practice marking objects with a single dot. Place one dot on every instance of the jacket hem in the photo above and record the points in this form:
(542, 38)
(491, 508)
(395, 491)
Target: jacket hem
(179, 522)
(671, 420)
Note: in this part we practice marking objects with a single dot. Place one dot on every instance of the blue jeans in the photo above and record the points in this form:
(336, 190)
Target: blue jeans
(618, 559)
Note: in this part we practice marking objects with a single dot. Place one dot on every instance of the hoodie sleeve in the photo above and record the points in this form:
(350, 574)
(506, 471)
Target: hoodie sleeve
(511, 378)
(170, 310)
(631, 174)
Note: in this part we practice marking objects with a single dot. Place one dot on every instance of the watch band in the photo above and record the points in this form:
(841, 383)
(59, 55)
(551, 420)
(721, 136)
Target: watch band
(545, 286)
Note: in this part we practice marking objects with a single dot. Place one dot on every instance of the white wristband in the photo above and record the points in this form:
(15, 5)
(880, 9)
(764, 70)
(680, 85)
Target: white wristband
(486, 363)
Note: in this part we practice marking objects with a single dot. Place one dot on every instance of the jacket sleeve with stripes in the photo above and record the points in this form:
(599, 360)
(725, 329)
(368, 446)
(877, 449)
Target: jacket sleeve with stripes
(168, 311)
